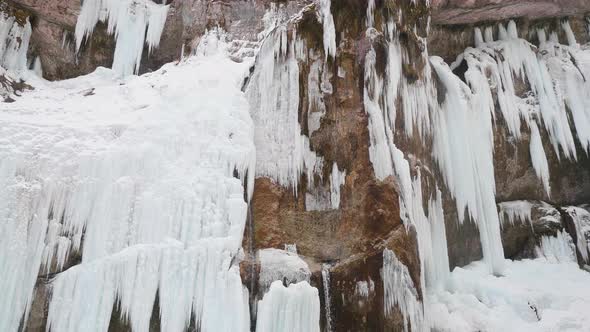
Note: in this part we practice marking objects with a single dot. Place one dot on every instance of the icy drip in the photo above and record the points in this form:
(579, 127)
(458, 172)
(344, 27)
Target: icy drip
(133, 22)
(327, 298)
(569, 34)
(364, 288)
(150, 211)
(399, 290)
(559, 248)
(581, 220)
(14, 43)
(294, 308)
(316, 106)
(283, 153)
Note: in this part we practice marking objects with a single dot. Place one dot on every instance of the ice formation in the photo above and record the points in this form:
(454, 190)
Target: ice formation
(337, 179)
(581, 220)
(276, 264)
(558, 248)
(282, 152)
(515, 211)
(289, 309)
(132, 22)
(400, 291)
(14, 43)
(137, 176)
(329, 30)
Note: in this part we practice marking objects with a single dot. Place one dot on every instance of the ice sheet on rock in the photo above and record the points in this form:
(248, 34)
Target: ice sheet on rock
(559, 248)
(581, 219)
(14, 43)
(283, 152)
(135, 175)
(289, 309)
(399, 290)
(276, 264)
(132, 22)
(337, 180)
(533, 295)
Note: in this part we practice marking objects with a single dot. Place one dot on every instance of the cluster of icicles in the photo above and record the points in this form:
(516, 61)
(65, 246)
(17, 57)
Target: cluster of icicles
(193, 275)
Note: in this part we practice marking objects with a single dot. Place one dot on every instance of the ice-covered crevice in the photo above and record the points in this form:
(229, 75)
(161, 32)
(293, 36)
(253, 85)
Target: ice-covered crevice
(14, 43)
(289, 309)
(138, 177)
(399, 290)
(558, 248)
(283, 153)
(132, 22)
(282, 265)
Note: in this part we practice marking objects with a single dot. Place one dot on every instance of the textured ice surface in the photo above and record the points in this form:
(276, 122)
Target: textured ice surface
(14, 43)
(282, 265)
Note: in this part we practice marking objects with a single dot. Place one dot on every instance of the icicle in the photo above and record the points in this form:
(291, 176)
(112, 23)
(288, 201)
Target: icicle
(327, 298)
(489, 34)
(128, 20)
(539, 158)
(337, 180)
(364, 288)
(370, 14)
(468, 169)
(289, 309)
(478, 37)
(571, 38)
(515, 211)
(329, 29)
(399, 290)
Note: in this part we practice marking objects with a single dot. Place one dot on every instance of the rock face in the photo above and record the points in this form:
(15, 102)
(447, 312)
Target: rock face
(344, 236)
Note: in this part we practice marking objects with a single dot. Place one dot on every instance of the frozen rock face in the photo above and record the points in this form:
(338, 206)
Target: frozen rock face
(386, 154)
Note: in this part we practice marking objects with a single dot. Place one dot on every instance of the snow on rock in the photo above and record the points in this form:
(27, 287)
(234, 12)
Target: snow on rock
(14, 43)
(138, 176)
(289, 309)
(399, 290)
(282, 152)
(532, 295)
(285, 266)
(133, 22)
